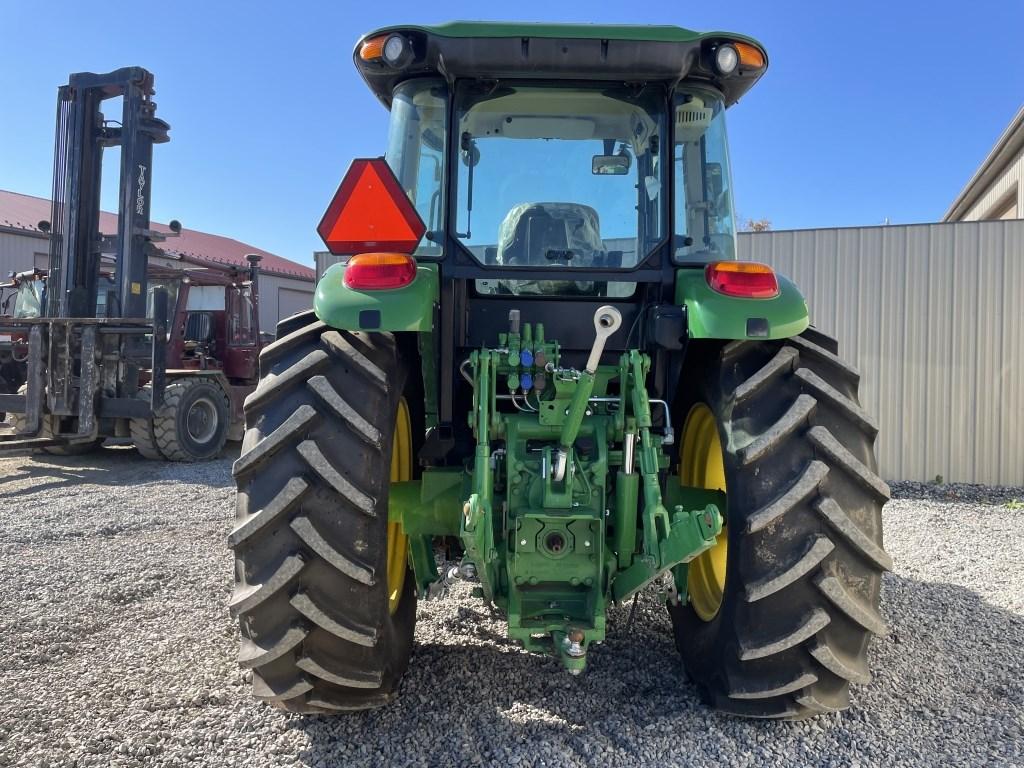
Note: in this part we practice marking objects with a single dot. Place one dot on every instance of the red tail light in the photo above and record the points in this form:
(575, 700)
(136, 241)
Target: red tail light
(379, 271)
(743, 279)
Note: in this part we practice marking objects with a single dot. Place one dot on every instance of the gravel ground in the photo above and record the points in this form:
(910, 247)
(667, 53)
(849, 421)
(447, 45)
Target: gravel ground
(116, 649)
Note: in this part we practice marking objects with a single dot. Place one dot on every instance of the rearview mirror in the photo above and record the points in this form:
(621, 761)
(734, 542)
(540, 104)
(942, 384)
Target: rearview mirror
(610, 165)
(470, 152)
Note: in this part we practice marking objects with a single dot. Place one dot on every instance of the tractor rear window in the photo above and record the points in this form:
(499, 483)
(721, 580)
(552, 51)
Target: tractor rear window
(558, 179)
(704, 222)
(416, 140)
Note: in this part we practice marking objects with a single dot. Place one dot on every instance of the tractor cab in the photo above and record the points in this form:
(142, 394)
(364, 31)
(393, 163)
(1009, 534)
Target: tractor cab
(213, 319)
(581, 163)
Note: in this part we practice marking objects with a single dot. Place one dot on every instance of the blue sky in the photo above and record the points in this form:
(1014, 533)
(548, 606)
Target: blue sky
(869, 111)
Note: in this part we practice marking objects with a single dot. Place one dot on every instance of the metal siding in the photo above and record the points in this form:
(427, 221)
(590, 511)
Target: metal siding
(1011, 183)
(17, 252)
(270, 286)
(323, 260)
(291, 302)
(1012, 353)
(931, 316)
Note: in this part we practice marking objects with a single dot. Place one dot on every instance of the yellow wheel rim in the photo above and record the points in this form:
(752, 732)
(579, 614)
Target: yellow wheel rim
(401, 471)
(701, 466)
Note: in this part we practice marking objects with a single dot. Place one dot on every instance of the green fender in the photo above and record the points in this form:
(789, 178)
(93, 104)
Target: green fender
(712, 315)
(410, 308)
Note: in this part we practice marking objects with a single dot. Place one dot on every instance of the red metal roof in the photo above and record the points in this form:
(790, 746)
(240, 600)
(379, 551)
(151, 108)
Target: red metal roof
(18, 211)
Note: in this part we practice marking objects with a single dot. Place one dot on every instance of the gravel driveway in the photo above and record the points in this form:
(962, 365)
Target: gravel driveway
(116, 649)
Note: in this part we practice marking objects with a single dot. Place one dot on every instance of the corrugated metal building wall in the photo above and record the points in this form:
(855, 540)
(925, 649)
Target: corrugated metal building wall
(996, 190)
(1005, 198)
(19, 251)
(933, 316)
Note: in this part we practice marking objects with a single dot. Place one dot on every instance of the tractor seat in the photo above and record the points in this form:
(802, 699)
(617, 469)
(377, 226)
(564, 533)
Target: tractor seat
(550, 235)
(199, 328)
(560, 236)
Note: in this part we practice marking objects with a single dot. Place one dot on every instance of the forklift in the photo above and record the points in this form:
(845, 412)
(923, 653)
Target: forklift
(97, 352)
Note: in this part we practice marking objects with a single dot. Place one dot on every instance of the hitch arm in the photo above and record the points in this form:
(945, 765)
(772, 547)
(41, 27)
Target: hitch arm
(607, 320)
(667, 539)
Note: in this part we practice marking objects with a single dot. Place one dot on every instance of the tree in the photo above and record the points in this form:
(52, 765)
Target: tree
(756, 225)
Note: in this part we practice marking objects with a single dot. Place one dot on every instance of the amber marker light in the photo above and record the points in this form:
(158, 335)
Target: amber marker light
(373, 48)
(751, 57)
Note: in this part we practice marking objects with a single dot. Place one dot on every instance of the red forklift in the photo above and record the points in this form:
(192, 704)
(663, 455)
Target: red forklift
(99, 353)
(211, 362)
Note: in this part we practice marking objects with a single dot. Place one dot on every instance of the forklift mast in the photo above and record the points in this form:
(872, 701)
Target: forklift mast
(82, 372)
(76, 244)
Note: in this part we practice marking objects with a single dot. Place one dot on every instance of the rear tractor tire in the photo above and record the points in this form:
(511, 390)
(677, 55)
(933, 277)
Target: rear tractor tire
(192, 423)
(325, 605)
(782, 610)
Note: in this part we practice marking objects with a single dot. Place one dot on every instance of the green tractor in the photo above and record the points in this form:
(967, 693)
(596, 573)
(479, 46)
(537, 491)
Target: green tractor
(540, 368)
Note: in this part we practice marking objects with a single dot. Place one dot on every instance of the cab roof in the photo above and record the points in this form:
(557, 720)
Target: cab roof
(545, 51)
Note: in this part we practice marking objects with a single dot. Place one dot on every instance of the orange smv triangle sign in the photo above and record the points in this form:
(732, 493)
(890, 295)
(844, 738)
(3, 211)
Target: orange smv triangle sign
(370, 212)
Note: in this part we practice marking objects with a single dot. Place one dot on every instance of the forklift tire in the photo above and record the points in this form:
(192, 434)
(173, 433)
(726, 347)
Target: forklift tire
(17, 420)
(786, 629)
(326, 615)
(142, 431)
(192, 423)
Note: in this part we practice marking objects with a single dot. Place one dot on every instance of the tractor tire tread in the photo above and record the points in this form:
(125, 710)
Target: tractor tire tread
(806, 556)
(830, 445)
(248, 598)
(312, 479)
(141, 431)
(808, 483)
(251, 654)
(808, 627)
(290, 431)
(306, 530)
(270, 386)
(771, 689)
(816, 551)
(360, 635)
(845, 526)
(838, 663)
(782, 362)
(291, 689)
(285, 500)
(294, 322)
(772, 438)
(165, 426)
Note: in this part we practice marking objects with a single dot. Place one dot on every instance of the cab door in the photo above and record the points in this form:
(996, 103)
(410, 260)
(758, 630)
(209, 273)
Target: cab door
(241, 357)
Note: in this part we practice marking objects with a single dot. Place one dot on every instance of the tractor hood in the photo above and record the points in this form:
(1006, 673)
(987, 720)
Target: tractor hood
(490, 50)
